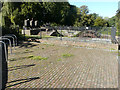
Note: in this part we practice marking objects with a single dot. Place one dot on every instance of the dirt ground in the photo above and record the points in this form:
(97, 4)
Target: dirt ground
(67, 65)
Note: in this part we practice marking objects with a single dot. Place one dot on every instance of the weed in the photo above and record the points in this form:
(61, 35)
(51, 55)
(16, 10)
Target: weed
(67, 55)
(43, 48)
(118, 53)
(30, 56)
(37, 57)
(59, 60)
(27, 50)
(113, 49)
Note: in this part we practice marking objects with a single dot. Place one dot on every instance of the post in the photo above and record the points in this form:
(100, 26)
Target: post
(61, 35)
(0, 61)
(0, 66)
(113, 34)
(24, 32)
(3, 64)
(40, 34)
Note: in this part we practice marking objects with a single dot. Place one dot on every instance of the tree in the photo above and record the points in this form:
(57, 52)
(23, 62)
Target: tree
(112, 21)
(82, 16)
(100, 22)
(118, 22)
(84, 10)
(91, 19)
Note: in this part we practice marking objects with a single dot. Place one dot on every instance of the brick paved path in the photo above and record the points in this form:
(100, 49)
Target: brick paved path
(88, 68)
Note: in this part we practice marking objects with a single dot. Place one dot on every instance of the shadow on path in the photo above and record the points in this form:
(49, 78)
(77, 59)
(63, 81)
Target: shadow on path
(22, 81)
(20, 67)
(26, 45)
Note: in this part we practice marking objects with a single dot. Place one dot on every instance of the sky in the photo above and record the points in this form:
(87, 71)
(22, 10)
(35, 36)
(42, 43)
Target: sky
(105, 8)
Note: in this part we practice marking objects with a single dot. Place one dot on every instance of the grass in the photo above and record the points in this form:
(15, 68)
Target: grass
(13, 59)
(59, 59)
(67, 55)
(112, 49)
(43, 48)
(106, 32)
(27, 50)
(37, 57)
(117, 33)
(30, 56)
(118, 53)
(48, 44)
(47, 36)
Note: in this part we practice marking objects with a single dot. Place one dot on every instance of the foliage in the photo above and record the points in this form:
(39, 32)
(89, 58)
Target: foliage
(100, 22)
(112, 21)
(118, 22)
(55, 13)
(86, 19)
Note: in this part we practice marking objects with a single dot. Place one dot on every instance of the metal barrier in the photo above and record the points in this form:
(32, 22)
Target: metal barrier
(14, 36)
(9, 43)
(10, 37)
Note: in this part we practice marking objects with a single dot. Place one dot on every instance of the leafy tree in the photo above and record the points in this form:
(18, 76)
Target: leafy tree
(84, 10)
(100, 22)
(82, 16)
(112, 21)
(118, 22)
(91, 19)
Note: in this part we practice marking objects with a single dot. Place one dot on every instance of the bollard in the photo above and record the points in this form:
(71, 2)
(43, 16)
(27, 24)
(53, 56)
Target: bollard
(3, 61)
(9, 43)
